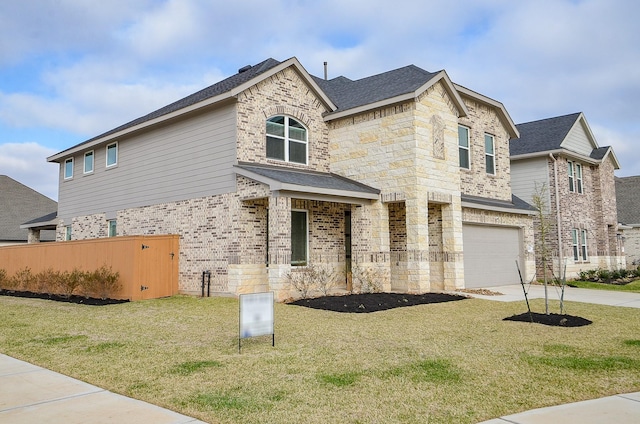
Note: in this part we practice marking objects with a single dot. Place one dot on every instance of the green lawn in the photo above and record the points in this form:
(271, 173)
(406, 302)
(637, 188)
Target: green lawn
(454, 362)
(634, 286)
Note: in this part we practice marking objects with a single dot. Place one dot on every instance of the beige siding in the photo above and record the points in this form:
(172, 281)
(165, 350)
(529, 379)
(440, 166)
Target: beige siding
(189, 159)
(578, 141)
(526, 175)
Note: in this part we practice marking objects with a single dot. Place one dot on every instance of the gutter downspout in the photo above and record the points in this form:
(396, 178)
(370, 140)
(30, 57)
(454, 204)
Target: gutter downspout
(558, 216)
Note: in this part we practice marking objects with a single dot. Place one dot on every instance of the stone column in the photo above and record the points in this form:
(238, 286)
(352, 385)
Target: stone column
(418, 272)
(34, 236)
(279, 245)
(452, 244)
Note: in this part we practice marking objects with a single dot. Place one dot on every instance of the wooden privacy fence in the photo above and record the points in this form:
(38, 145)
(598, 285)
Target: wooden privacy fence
(148, 265)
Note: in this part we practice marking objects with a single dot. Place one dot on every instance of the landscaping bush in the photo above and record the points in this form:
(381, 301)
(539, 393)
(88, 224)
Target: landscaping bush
(100, 283)
(312, 278)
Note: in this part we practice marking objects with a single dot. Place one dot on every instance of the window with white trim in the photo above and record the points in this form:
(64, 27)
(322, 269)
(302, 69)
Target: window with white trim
(67, 232)
(463, 147)
(68, 168)
(299, 238)
(579, 242)
(286, 139)
(575, 177)
(112, 227)
(489, 154)
(112, 154)
(88, 162)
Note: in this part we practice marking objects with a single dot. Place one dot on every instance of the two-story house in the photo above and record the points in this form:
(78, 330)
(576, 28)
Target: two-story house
(272, 169)
(559, 159)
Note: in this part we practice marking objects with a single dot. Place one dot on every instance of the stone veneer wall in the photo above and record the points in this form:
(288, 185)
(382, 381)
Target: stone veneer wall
(483, 120)
(410, 152)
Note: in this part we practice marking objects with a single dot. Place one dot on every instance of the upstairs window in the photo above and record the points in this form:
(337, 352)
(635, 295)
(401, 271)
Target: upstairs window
(68, 168)
(286, 140)
(112, 154)
(88, 162)
(575, 177)
(463, 147)
(489, 154)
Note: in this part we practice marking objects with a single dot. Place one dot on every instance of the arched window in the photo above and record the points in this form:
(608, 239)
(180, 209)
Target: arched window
(286, 139)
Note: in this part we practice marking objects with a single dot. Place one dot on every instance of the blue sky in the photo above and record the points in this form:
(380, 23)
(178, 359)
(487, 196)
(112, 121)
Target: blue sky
(72, 69)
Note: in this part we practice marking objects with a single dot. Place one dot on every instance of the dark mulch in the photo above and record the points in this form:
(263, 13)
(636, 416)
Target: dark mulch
(556, 320)
(70, 299)
(373, 302)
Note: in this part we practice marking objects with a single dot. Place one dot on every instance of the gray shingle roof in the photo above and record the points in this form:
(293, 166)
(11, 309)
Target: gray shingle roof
(308, 178)
(348, 94)
(543, 135)
(628, 199)
(18, 204)
(216, 89)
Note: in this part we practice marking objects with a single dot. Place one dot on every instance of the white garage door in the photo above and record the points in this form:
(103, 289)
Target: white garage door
(490, 255)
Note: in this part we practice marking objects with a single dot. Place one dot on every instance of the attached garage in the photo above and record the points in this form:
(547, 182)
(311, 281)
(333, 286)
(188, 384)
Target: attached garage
(490, 254)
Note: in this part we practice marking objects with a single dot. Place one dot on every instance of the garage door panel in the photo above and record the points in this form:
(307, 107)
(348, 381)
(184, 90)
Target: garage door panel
(490, 255)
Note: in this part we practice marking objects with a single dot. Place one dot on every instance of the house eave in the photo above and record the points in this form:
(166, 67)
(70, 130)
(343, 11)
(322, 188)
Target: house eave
(561, 152)
(504, 115)
(517, 211)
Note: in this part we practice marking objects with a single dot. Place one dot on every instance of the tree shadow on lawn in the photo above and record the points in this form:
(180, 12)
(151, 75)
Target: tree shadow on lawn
(373, 302)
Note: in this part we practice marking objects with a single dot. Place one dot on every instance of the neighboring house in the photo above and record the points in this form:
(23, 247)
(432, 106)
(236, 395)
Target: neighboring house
(272, 170)
(18, 204)
(628, 201)
(560, 158)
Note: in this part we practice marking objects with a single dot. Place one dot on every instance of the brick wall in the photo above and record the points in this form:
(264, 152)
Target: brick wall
(476, 181)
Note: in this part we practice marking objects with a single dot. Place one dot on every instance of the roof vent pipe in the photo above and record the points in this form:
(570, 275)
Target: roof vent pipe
(325, 71)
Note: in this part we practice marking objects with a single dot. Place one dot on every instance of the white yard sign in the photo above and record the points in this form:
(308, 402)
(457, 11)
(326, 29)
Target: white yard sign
(256, 315)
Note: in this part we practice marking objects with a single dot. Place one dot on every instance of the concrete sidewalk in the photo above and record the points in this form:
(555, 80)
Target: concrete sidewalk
(31, 394)
(513, 293)
(619, 409)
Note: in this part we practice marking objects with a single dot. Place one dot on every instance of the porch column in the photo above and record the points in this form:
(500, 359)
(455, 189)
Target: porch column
(418, 270)
(452, 244)
(279, 245)
(33, 236)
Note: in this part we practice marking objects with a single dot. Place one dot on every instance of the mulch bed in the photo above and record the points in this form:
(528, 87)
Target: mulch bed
(70, 299)
(373, 302)
(556, 320)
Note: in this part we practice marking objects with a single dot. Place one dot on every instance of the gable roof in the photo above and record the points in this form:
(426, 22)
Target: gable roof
(545, 136)
(516, 205)
(383, 89)
(309, 182)
(226, 89)
(19, 204)
(628, 200)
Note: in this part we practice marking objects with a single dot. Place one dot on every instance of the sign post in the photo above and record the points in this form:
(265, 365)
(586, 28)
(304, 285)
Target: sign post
(256, 316)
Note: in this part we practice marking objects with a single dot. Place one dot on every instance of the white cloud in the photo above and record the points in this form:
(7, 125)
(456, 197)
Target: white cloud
(26, 163)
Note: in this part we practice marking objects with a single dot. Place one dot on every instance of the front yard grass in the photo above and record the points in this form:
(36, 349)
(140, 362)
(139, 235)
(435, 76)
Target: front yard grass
(633, 286)
(455, 362)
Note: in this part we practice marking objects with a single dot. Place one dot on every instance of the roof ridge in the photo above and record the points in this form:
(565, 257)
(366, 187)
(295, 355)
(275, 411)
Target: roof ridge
(550, 118)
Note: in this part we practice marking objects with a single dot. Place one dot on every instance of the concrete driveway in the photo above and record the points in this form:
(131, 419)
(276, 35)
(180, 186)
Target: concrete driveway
(514, 293)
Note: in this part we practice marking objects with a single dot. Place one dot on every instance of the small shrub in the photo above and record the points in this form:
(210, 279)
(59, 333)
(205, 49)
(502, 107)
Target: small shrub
(69, 282)
(102, 282)
(3, 278)
(303, 280)
(367, 280)
(604, 275)
(46, 281)
(21, 280)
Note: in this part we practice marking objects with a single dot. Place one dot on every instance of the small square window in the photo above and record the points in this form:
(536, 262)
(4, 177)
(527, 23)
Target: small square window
(112, 154)
(68, 168)
(88, 162)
